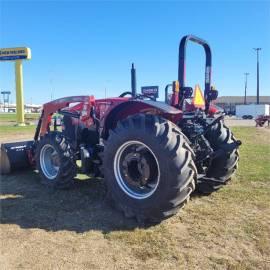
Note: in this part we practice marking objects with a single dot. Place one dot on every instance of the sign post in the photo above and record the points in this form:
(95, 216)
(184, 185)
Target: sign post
(19, 92)
(17, 55)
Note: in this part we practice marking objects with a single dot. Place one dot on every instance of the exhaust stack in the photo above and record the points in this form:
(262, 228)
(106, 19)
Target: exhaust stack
(133, 81)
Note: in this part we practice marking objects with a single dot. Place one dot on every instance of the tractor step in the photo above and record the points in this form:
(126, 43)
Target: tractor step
(15, 156)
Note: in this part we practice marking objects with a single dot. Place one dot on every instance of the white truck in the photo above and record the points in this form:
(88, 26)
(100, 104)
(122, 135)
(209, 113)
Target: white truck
(251, 111)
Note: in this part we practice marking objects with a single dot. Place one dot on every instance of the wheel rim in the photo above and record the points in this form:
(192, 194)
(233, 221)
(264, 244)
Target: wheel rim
(136, 169)
(49, 161)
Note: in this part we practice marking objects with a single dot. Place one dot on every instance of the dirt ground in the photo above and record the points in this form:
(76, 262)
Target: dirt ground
(77, 229)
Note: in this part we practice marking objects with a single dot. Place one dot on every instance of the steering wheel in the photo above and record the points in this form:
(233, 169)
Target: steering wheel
(125, 93)
(139, 96)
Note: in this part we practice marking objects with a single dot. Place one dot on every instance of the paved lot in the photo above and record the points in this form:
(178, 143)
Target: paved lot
(232, 122)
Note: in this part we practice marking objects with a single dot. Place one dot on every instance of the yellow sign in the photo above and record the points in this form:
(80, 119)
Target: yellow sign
(17, 55)
(198, 99)
(13, 54)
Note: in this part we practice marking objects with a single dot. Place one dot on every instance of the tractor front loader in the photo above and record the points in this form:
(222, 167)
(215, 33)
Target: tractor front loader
(152, 154)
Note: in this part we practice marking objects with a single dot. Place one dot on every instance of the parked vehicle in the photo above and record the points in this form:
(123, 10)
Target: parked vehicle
(152, 154)
(251, 111)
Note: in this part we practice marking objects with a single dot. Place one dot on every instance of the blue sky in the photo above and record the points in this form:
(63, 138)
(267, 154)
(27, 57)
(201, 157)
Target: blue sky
(85, 47)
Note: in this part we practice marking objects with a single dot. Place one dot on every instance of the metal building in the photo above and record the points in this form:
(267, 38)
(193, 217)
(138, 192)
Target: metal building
(228, 103)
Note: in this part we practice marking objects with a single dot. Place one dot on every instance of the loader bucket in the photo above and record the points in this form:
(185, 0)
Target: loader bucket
(14, 156)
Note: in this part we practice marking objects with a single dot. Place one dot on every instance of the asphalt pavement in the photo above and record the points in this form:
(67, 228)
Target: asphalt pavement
(233, 122)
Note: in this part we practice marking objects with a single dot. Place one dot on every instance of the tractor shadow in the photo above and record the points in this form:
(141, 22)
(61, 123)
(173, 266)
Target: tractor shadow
(27, 203)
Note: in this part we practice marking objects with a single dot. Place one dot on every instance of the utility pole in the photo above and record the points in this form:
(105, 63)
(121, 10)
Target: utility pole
(258, 75)
(245, 99)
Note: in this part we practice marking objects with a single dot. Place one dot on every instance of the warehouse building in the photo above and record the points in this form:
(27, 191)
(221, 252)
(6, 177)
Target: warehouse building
(228, 103)
(28, 108)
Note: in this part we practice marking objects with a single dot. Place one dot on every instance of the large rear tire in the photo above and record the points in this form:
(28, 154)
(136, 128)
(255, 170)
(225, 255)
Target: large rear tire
(55, 161)
(148, 168)
(223, 167)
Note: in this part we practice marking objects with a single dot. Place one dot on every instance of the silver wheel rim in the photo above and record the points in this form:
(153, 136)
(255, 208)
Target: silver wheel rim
(150, 187)
(49, 161)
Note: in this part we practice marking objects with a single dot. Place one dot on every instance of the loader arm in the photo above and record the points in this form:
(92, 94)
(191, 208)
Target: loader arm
(84, 106)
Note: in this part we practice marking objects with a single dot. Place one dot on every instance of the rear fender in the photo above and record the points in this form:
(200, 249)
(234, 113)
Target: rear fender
(131, 107)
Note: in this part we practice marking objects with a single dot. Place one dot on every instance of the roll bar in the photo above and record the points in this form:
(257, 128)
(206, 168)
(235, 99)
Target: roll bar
(166, 91)
(182, 64)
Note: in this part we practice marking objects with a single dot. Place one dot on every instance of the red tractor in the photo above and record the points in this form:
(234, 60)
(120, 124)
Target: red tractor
(152, 154)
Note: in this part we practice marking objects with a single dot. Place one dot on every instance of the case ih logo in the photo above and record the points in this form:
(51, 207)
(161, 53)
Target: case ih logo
(150, 91)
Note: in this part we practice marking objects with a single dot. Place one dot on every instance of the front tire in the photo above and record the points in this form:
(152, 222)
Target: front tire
(148, 168)
(55, 161)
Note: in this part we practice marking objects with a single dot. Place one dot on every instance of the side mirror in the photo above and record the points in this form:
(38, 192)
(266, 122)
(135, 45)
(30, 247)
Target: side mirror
(186, 92)
(212, 95)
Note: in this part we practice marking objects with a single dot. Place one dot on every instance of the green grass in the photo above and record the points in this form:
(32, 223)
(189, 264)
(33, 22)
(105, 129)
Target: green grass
(14, 130)
(228, 229)
(238, 214)
(8, 128)
(255, 155)
(11, 117)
